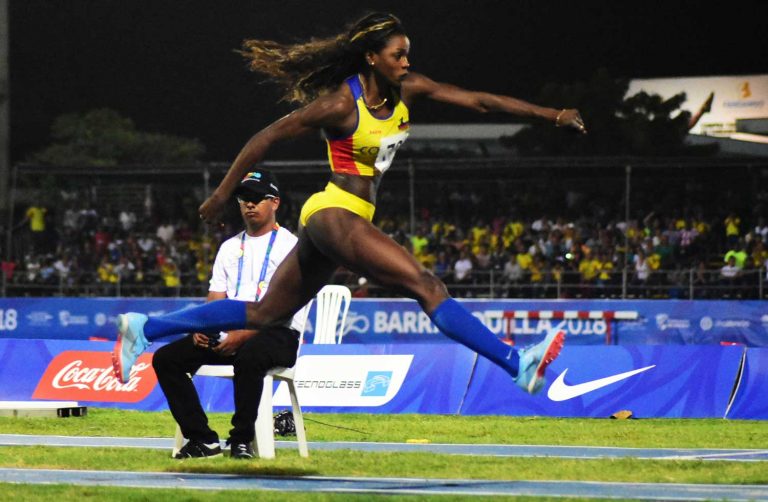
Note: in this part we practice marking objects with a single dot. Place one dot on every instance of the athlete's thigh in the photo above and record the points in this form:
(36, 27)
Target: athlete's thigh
(296, 281)
(360, 246)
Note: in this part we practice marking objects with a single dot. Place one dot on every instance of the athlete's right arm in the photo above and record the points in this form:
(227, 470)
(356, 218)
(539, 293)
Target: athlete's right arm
(334, 111)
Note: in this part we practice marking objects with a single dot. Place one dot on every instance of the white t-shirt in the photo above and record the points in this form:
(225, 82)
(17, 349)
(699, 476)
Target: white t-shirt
(225, 267)
(462, 268)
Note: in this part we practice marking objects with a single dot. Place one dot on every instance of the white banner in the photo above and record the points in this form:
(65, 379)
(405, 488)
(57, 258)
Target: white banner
(736, 97)
(346, 380)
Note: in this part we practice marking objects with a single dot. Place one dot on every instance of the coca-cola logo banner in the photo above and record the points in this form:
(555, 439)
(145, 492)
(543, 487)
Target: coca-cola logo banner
(88, 376)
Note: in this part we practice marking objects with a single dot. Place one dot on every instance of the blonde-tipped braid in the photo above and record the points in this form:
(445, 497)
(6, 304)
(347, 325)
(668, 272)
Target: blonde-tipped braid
(375, 27)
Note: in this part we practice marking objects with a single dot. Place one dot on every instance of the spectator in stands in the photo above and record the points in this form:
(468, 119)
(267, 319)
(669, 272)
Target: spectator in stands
(688, 245)
(125, 269)
(759, 254)
(730, 274)
(127, 220)
(35, 216)
(761, 229)
(732, 224)
(738, 253)
(642, 268)
(165, 232)
(106, 272)
(462, 273)
(512, 275)
(442, 266)
(605, 267)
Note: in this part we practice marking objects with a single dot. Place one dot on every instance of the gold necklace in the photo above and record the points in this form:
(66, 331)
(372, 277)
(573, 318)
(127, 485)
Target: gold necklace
(371, 107)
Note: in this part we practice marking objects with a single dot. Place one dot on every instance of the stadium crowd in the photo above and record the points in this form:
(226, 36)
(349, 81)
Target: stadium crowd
(81, 251)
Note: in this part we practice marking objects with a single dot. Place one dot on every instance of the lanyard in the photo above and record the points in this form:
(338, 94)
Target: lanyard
(264, 266)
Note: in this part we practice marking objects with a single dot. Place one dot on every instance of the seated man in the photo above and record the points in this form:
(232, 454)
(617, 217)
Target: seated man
(242, 270)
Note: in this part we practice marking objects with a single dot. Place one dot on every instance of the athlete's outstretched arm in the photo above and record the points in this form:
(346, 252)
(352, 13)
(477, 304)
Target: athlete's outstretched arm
(326, 112)
(417, 85)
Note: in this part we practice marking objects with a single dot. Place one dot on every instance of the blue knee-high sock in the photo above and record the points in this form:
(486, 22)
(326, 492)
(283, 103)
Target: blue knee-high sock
(219, 315)
(457, 323)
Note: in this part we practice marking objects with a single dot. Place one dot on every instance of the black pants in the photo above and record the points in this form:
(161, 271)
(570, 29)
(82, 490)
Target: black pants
(174, 363)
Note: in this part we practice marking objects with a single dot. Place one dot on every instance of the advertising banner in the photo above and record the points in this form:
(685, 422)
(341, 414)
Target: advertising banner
(751, 400)
(585, 381)
(74, 371)
(659, 381)
(367, 379)
(735, 97)
(383, 321)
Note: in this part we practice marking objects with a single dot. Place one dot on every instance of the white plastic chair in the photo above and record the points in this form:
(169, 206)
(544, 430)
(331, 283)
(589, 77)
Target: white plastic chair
(331, 315)
(264, 439)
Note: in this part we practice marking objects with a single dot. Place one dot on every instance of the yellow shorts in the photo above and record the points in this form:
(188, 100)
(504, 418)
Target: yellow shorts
(334, 196)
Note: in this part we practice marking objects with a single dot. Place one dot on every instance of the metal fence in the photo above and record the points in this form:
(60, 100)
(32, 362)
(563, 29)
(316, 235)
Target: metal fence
(662, 284)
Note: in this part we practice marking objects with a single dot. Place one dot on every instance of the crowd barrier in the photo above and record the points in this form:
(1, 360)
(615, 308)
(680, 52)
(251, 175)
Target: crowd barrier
(382, 321)
(669, 381)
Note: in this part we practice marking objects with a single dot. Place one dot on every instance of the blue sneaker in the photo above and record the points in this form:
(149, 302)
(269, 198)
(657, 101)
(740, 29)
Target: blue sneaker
(534, 361)
(131, 343)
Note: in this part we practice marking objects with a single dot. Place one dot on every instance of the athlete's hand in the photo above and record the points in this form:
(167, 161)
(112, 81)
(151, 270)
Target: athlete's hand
(570, 117)
(210, 210)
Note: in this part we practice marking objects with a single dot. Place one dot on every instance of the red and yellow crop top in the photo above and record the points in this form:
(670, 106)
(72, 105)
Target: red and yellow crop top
(371, 146)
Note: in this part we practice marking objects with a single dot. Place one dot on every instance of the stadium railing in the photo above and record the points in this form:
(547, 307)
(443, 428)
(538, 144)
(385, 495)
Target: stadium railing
(662, 284)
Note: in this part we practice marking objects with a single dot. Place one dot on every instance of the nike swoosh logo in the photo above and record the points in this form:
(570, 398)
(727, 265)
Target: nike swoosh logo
(561, 391)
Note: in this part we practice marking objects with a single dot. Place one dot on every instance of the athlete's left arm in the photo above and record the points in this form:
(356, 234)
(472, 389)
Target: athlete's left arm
(417, 85)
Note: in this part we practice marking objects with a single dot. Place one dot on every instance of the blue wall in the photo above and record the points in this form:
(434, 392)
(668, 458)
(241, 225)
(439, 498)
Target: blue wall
(401, 321)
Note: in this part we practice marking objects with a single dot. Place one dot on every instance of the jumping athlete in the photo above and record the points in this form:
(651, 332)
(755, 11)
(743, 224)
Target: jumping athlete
(357, 89)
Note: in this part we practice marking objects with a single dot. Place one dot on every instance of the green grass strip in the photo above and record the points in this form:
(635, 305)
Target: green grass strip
(642, 433)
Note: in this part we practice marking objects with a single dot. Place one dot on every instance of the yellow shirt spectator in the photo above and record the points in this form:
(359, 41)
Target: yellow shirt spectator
(170, 274)
(732, 224)
(524, 260)
(36, 217)
(605, 268)
(106, 273)
(654, 261)
(589, 269)
(419, 244)
(536, 274)
(512, 231)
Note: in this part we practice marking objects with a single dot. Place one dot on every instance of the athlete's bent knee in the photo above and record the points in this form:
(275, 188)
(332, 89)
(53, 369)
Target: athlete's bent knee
(430, 288)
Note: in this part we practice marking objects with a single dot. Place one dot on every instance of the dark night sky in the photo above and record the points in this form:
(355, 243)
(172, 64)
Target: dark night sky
(170, 66)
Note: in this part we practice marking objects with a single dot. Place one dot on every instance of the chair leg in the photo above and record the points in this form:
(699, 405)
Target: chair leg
(178, 441)
(264, 440)
(298, 420)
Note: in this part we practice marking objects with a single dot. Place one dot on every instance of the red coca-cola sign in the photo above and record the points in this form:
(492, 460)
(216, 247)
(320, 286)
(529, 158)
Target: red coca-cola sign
(88, 376)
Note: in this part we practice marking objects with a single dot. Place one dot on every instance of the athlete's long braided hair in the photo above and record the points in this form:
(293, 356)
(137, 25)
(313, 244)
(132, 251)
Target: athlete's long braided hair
(307, 70)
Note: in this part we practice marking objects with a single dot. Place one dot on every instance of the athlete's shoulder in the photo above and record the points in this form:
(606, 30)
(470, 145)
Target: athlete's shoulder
(340, 100)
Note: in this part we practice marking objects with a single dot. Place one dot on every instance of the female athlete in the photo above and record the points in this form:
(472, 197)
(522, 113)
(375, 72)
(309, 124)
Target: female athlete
(357, 88)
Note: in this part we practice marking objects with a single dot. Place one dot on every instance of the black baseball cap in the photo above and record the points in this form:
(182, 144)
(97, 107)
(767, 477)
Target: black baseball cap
(258, 183)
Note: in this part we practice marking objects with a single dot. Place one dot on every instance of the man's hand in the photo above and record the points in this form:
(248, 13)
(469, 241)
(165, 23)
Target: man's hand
(200, 340)
(233, 342)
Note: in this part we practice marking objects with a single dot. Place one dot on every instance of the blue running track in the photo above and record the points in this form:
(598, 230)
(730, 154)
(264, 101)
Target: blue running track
(388, 486)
